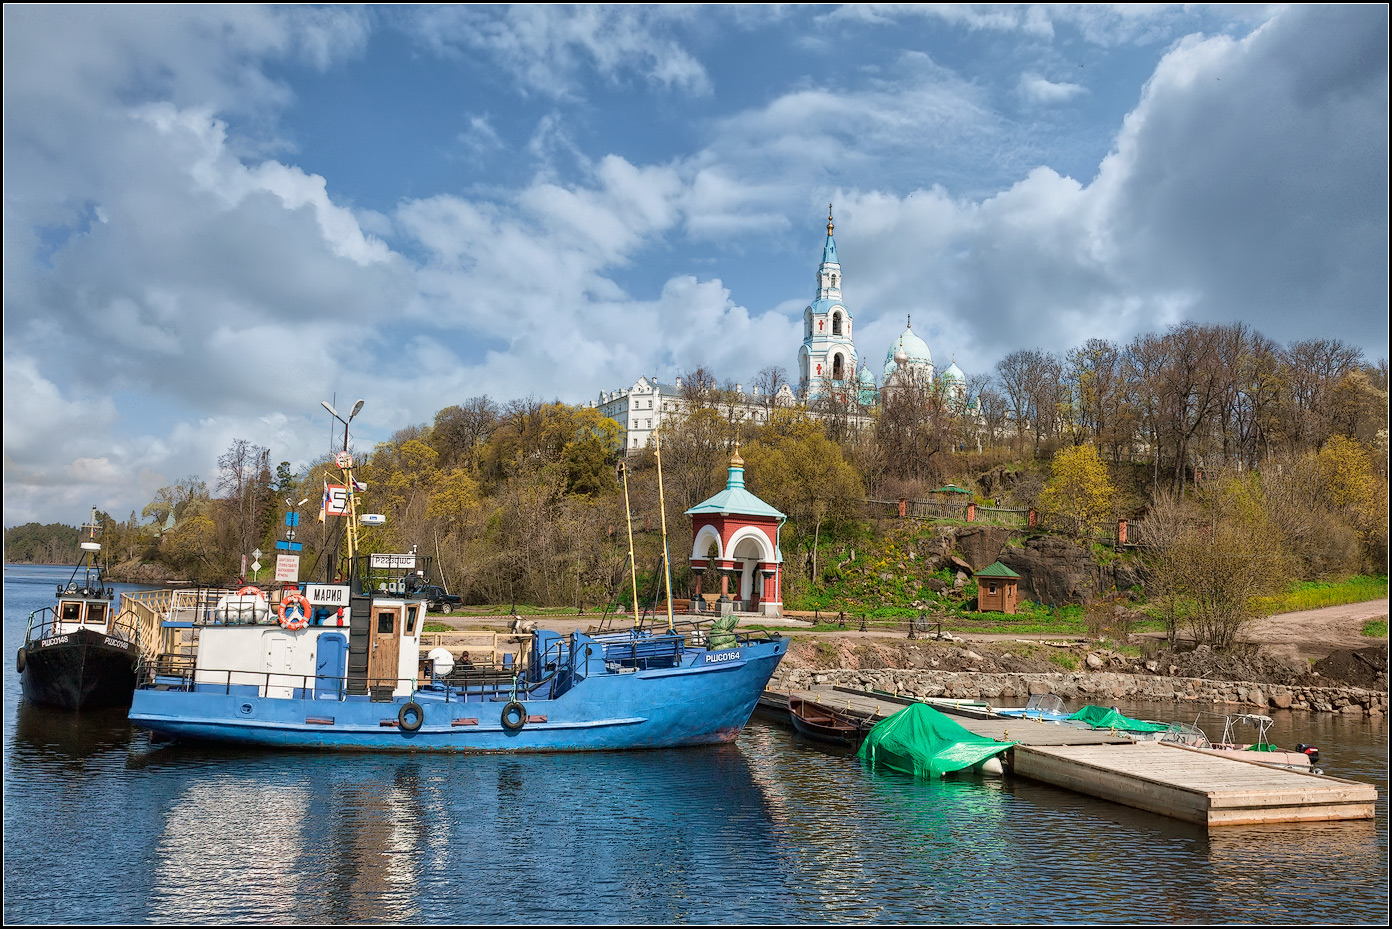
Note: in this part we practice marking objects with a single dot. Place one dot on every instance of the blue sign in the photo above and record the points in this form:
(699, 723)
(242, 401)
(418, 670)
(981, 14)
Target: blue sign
(285, 546)
(292, 519)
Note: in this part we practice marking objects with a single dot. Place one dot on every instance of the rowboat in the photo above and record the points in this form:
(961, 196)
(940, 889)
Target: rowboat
(825, 724)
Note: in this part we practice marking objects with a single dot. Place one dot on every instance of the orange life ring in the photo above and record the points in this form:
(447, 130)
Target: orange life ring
(250, 591)
(292, 597)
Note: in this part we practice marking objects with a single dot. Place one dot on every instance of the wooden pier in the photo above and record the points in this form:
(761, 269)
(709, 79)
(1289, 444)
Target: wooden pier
(1159, 777)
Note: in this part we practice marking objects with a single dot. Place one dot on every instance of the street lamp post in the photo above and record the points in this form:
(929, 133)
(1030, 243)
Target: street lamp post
(357, 408)
(345, 463)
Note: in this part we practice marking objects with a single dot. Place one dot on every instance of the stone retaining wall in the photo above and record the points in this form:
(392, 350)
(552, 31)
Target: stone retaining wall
(1098, 688)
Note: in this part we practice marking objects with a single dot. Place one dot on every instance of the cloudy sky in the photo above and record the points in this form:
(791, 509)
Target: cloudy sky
(216, 217)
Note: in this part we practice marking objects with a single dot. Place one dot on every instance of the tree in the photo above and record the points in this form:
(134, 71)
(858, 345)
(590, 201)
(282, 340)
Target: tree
(767, 384)
(1079, 495)
(1214, 558)
(244, 480)
(804, 474)
(460, 430)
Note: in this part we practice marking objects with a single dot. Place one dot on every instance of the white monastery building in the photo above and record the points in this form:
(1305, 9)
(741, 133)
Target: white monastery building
(827, 363)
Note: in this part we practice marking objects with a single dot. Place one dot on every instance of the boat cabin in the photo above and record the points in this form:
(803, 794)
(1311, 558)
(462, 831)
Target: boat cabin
(288, 643)
(83, 608)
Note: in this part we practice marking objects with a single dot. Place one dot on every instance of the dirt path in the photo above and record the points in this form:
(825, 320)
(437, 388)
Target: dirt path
(1311, 633)
(1318, 633)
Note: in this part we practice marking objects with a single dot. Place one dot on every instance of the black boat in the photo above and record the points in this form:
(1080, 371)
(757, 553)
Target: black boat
(80, 652)
(825, 724)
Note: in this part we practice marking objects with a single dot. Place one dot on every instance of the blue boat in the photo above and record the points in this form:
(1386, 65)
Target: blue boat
(280, 668)
(260, 684)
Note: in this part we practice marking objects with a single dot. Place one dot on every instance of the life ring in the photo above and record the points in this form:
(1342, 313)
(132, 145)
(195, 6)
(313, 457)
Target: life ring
(514, 716)
(252, 591)
(290, 598)
(410, 716)
(21, 659)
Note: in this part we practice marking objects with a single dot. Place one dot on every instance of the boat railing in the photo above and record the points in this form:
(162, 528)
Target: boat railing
(179, 673)
(46, 623)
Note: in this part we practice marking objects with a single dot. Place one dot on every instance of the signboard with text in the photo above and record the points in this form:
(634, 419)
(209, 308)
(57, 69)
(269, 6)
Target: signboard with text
(393, 561)
(287, 567)
(327, 594)
(336, 500)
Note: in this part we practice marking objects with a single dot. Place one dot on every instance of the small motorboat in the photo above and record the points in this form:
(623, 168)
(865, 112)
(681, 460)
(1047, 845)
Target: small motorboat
(1262, 751)
(1043, 707)
(825, 724)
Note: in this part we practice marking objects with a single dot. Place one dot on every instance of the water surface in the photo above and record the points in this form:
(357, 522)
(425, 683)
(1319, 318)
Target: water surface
(103, 826)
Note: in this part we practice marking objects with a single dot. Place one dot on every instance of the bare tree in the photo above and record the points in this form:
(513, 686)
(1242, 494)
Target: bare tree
(768, 383)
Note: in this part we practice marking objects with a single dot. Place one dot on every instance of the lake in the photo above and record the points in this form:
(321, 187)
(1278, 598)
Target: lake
(103, 826)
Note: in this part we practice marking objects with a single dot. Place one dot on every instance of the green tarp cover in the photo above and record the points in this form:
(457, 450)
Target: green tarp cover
(919, 740)
(1099, 717)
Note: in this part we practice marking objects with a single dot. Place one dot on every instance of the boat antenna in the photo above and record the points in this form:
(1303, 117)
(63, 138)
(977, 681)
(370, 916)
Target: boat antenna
(662, 510)
(628, 518)
(91, 547)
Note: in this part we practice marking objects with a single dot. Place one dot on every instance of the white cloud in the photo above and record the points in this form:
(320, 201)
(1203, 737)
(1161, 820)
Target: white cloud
(550, 49)
(1036, 89)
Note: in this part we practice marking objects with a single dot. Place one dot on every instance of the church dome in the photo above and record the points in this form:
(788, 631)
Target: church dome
(954, 373)
(913, 350)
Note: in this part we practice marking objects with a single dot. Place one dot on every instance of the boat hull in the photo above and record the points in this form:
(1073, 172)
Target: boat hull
(817, 722)
(79, 670)
(692, 705)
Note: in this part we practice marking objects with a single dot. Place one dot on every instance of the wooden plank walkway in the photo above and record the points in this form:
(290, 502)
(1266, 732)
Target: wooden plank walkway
(1165, 778)
(1195, 786)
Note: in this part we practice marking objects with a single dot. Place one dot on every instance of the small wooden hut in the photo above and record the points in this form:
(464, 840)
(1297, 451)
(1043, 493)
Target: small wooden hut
(997, 589)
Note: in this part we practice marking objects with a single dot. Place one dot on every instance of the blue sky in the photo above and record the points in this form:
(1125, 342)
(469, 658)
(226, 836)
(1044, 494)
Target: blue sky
(216, 217)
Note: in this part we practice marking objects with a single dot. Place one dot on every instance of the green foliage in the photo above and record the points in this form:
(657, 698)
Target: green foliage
(1375, 628)
(1312, 595)
(1079, 496)
(33, 543)
(1066, 660)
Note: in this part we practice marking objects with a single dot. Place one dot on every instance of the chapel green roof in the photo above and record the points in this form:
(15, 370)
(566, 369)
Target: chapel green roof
(734, 498)
(996, 569)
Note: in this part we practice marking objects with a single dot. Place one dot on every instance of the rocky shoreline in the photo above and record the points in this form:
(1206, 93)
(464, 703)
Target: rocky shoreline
(1096, 687)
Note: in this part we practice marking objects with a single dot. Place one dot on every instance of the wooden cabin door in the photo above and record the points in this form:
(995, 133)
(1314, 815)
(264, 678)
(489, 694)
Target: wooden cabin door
(384, 653)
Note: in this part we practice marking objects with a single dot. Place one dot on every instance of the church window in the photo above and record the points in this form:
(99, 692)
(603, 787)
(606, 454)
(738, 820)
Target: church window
(836, 324)
(838, 371)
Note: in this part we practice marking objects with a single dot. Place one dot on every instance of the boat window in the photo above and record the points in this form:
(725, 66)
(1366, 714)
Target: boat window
(96, 612)
(411, 612)
(386, 621)
(72, 612)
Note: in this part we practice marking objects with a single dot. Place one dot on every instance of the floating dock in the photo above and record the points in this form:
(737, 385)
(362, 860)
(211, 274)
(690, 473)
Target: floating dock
(1159, 777)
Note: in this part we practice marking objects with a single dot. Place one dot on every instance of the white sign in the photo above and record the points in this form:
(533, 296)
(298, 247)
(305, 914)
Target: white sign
(393, 561)
(287, 567)
(336, 500)
(327, 594)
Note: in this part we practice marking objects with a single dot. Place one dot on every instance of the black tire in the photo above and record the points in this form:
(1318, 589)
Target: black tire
(21, 660)
(514, 716)
(410, 716)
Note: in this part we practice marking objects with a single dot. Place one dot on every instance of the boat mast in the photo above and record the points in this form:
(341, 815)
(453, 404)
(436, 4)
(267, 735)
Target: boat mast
(628, 518)
(662, 509)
